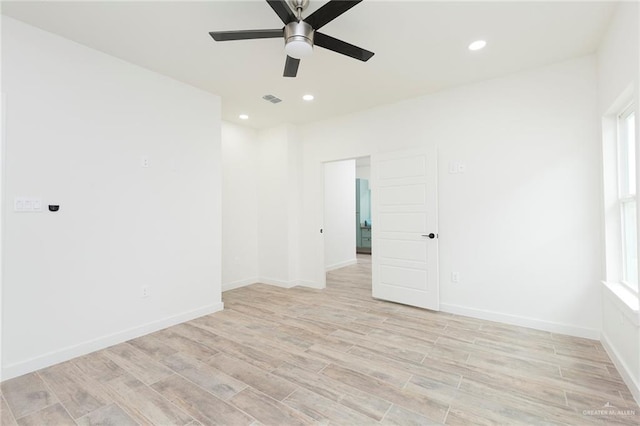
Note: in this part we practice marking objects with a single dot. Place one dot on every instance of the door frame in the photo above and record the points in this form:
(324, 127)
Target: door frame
(322, 281)
(321, 258)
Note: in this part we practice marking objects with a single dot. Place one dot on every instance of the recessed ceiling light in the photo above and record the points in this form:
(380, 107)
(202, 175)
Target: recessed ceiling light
(308, 97)
(243, 117)
(477, 45)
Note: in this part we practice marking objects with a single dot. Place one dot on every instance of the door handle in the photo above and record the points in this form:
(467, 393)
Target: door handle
(431, 235)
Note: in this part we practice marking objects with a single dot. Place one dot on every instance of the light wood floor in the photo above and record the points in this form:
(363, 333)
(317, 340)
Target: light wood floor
(300, 356)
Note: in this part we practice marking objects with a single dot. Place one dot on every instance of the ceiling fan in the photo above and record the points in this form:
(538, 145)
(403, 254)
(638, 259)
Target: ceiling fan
(300, 35)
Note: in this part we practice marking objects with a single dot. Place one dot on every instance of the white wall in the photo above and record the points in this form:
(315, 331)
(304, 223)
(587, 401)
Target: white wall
(78, 122)
(363, 172)
(2, 200)
(240, 212)
(619, 80)
(278, 206)
(339, 214)
(519, 225)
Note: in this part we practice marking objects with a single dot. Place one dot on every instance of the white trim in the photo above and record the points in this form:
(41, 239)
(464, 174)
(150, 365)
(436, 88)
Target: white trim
(273, 282)
(341, 265)
(621, 366)
(240, 283)
(70, 352)
(312, 284)
(277, 283)
(553, 327)
(624, 299)
(3, 180)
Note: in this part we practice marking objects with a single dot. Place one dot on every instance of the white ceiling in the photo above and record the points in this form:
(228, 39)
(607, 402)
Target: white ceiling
(420, 47)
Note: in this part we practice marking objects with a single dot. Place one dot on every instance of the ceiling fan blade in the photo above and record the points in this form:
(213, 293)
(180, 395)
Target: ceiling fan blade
(283, 11)
(291, 67)
(245, 35)
(329, 12)
(342, 47)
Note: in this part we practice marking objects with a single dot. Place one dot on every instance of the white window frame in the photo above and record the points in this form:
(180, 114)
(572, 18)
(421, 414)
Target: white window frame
(625, 197)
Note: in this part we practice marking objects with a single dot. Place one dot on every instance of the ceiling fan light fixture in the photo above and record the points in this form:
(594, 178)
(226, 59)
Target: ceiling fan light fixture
(298, 38)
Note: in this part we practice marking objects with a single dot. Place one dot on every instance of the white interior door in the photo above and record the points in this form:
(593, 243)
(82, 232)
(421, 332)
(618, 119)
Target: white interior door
(405, 228)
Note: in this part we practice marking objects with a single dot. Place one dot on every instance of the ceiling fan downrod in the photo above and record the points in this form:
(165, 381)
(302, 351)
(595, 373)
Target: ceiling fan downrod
(299, 6)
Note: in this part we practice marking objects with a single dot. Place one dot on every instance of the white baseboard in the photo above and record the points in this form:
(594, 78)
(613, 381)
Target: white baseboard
(70, 352)
(552, 327)
(341, 264)
(277, 283)
(268, 281)
(240, 283)
(286, 284)
(311, 284)
(622, 367)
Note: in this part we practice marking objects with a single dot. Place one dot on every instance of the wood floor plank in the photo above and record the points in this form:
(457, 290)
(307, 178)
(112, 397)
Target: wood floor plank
(466, 412)
(274, 386)
(200, 404)
(405, 342)
(153, 346)
(432, 389)
(398, 416)
(210, 379)
(442, 376)
(111, 414)
(335, 390)
(259, 312)
(26, 394)
(434, 410)
(388, 374)
(593, 382)
(137, 363)
(524, 367)
(99, 367)
(504, 399)
(324, 410)
(231, 341)
(77, 392)
(143, 404)
(263, 346)
(178, 337)
(52, 415)
(388, 348)
(6, 417)
(267, 410)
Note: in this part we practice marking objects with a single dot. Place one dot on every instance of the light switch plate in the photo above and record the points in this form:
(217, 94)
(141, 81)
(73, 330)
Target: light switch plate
(27, 204)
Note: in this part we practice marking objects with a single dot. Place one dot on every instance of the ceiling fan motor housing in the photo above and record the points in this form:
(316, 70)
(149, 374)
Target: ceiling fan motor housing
(298, 39)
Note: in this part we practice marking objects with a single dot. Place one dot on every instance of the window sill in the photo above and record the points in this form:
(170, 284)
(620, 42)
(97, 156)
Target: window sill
(626, 300)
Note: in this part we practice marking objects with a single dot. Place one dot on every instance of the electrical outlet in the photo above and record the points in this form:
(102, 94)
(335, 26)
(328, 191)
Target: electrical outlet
(456, 167)
(144, 161)
(145, 291)
(455, 277)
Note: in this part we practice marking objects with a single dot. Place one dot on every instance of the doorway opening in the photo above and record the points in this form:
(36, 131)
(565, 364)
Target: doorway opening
(363, 205)
(347, 220)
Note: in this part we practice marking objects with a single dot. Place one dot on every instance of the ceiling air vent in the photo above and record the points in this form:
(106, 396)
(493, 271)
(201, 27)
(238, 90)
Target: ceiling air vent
(272, 99)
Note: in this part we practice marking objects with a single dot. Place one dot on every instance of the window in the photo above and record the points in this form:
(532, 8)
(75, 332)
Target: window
(627, 196)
